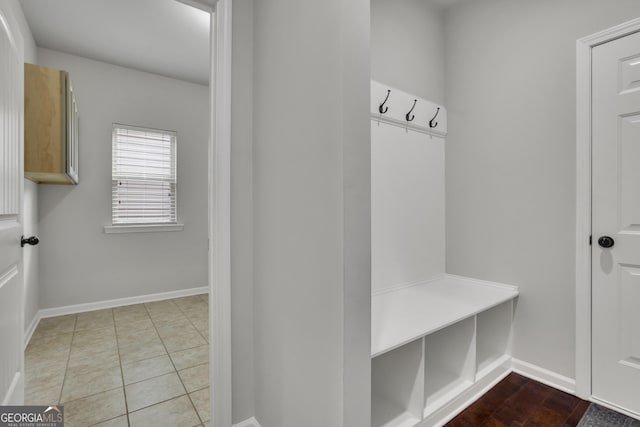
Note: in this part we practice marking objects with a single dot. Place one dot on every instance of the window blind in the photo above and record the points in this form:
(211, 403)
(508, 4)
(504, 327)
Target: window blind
(143, 176)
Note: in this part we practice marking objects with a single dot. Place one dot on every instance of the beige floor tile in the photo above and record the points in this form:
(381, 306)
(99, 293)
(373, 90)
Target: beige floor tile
(175, 412)
(154, 390)
(174, 320)
(129, 337)
(195, 378)
(201, 401)
(93, 345)
(56, 325)
(82, 382)
(136, 352)
(189, 301)
(95, 319)
(97, 357)
(145, 369)
(130, 312)
(43, 387)
(202, 327)
(94, 409)
(180, 338)
(45, 358)
(49, 395)
(49, 343)
(191, 357)
(136, 325)
(116, 422)
(160, 305)
(38, 365)
(37, 378)
(85, 341)
(157, 312)
(91, 338)
(138, 345)
(198, 316)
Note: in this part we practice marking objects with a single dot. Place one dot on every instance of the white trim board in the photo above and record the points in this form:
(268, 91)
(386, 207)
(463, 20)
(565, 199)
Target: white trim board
(584, 48)
(450, 410)
(251, 422)
(220, 216)
(31, 329)
(90, 306)
(15, 394)
(544, 376)
(119, 302)
(483, 385)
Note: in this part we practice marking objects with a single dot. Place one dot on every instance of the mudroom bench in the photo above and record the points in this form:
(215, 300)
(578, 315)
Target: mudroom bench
(435, 346)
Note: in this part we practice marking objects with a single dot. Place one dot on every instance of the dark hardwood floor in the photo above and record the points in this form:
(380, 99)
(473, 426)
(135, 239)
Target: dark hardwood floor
(517, 401)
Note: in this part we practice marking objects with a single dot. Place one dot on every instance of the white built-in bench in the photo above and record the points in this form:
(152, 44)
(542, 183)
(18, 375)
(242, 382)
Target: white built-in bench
(436, 346)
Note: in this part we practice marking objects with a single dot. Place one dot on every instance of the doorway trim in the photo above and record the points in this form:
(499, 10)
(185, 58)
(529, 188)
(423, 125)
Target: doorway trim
(220, 216)
(584, 47)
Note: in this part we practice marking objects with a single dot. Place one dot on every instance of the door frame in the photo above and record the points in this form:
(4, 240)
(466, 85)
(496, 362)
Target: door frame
(584, 49)
(219, 221)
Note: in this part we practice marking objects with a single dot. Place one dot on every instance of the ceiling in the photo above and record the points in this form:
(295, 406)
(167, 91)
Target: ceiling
(164, 37)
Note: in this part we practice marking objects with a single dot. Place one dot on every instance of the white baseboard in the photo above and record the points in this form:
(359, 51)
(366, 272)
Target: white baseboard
(461, 402)
(251, 422)
(544, 376)
(90, 306)
(31, 329)
(483, 385)
(15, 394)
(81, 308)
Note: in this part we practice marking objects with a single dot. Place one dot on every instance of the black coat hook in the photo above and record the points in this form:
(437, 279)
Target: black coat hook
(433, 124)
(409, 116)
(382, 109)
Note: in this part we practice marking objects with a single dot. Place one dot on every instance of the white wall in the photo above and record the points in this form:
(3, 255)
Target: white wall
(407, 46)
(407, 207)
(30, 196)
(407, 52)
(510, 94)
(78, 262)
(311, 213)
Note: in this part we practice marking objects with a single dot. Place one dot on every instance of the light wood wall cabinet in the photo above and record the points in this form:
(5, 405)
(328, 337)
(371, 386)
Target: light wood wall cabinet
(50, 126)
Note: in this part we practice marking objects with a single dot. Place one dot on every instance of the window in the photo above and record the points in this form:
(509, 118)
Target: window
(143, 176)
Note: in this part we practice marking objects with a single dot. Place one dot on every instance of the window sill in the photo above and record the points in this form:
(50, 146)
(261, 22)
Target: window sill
(142, 228)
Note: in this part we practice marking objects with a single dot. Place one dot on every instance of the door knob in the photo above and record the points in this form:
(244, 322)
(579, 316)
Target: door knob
(606, 242)
(33, 240)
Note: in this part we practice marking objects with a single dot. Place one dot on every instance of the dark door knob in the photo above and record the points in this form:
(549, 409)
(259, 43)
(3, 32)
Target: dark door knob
(33, 240)
(606, 242)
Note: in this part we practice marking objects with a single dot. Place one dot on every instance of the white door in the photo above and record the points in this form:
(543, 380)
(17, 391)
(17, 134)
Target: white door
(616, 214)
(11, 181)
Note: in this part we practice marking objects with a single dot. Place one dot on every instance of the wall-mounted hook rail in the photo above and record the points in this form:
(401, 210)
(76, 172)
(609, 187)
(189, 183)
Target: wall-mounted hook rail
(410, 116)
(433, 123)
(382, 109)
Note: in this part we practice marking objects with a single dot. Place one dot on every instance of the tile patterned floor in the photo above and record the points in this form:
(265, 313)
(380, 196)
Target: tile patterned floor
(137, 365)
(517, 401)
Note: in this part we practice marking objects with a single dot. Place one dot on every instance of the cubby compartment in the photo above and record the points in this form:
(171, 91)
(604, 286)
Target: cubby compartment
(449, 363)
(493, 338)
(397, 386)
